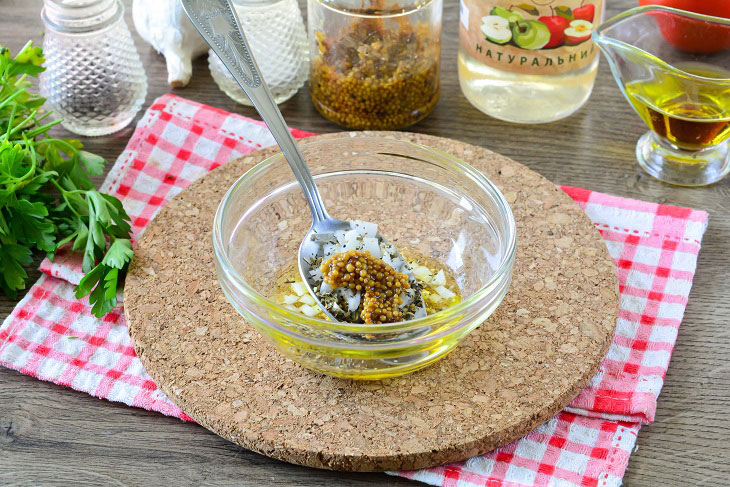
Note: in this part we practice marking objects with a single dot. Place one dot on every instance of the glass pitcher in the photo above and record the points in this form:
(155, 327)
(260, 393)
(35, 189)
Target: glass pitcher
(674, 68)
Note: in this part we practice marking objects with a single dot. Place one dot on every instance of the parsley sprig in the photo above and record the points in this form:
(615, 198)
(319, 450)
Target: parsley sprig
(47, 199)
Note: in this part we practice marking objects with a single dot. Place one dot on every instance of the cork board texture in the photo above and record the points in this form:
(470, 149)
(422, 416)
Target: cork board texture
(537, 351)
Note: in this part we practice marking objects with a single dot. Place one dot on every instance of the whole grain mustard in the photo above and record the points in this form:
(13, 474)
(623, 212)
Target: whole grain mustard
(381, 285)
(371, 76)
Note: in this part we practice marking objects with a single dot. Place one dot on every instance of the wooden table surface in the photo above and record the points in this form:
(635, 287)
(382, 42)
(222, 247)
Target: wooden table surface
(52, 435)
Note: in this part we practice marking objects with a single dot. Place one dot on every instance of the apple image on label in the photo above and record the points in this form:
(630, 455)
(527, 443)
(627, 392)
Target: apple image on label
(530, 34)
(578, 31)
(557, 25)
(585, 12)
(496, 29)
(507, 14)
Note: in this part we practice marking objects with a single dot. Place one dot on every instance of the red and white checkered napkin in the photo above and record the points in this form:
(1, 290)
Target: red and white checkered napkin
(52, 336)
(655, 249)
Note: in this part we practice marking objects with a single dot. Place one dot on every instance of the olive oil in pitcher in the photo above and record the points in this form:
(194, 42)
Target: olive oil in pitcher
(690, 122)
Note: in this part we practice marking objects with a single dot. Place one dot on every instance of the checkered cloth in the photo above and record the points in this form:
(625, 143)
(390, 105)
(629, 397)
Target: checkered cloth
(52, 336)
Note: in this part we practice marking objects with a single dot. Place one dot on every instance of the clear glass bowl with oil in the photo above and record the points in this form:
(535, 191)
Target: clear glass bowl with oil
(674, 68)
(438, 211)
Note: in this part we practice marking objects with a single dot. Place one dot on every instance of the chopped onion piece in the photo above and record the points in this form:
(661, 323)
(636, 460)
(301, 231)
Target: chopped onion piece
(439, 279)
(445, 293)
(340, 236)
(308, 310)
(365, 228)
(352, 298)
(330, 249)
(325, 288)
(371, 245)
(299, 288)
(434, 298)
(308, 299)
(422, 273)
(354, 303)
(311, 251)
(353, 244)
(290, 299)
(351, 235)
(316, 274)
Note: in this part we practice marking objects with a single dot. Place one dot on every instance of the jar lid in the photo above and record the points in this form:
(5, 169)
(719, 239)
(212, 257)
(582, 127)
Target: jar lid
(79, 16)
(376, 8)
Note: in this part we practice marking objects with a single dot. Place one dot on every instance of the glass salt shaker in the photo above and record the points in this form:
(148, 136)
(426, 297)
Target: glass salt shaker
(275, 31)
(94, 77)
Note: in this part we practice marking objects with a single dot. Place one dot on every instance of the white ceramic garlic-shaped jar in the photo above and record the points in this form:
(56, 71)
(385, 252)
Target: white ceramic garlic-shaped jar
(165, 26)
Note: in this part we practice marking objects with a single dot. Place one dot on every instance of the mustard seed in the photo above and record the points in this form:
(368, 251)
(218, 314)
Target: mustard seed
(377, 306)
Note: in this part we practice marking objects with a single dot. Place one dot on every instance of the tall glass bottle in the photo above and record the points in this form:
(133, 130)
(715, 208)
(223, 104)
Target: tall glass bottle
(529, 63)
(94, 77)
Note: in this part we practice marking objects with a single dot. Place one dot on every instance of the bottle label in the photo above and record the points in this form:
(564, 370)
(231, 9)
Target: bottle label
(531, 37)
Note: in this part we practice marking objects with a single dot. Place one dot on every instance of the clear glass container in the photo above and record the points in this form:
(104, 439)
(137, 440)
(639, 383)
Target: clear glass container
(275, 31)
(673, 67)
(528, 63)
(94, 77)
(358, 177)
(375, 65)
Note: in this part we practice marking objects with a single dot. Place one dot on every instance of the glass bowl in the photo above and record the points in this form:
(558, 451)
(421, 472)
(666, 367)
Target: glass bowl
(423, 200)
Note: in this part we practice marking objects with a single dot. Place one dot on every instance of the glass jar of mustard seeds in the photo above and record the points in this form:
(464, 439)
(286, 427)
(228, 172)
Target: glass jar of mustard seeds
(375, 63)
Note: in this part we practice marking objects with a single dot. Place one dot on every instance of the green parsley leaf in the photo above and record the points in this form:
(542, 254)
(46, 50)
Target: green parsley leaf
(29, 224)
(119, 254)
(94, 164)
(12, 259)
(100, 284)
(47, 198)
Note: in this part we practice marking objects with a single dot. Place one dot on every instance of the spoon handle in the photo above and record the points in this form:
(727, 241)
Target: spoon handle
(217, 22)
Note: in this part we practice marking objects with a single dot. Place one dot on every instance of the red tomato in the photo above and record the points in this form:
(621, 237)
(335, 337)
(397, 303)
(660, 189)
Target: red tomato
(694, 35)
(716, 8)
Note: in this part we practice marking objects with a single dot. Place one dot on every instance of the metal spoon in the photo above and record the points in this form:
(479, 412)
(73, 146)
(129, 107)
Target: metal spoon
(218, 23)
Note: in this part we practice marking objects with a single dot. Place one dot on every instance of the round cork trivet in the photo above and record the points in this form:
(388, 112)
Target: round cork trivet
(511, 374)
